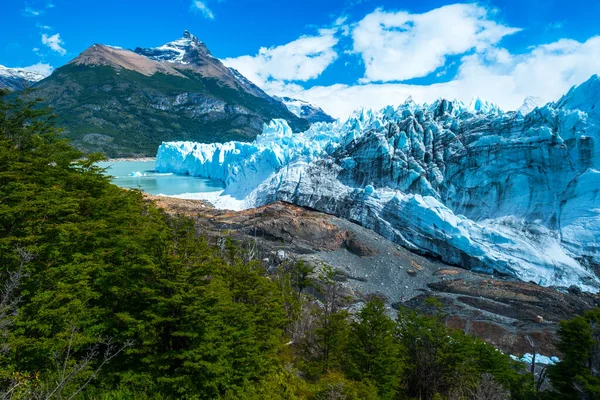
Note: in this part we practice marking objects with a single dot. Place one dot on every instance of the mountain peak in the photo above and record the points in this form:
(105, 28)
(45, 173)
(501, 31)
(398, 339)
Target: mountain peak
(306, 110)
(190, 36)
(102, 55)
(184, 50)
(531, 103)
(29, 74)
(20, 78)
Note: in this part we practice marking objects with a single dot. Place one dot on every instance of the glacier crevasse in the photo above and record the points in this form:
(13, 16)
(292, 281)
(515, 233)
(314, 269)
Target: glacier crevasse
(494, 191)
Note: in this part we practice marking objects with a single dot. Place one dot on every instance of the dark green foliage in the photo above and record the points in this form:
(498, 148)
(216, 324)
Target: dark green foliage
(124, 113)
(373, 354)
(113, 299)
(107, 264)
(446, 362)
(322, 347)
(577, 376)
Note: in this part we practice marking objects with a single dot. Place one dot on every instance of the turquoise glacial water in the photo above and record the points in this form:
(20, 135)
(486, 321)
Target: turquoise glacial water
(141, 175)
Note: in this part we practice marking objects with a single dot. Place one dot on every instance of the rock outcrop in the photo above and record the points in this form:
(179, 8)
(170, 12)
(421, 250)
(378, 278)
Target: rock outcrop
(504, 312)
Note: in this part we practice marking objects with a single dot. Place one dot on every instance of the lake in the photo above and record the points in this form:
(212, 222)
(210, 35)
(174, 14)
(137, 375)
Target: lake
(141, 175)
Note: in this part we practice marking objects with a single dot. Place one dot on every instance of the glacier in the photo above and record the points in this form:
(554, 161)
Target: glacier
(509, 193)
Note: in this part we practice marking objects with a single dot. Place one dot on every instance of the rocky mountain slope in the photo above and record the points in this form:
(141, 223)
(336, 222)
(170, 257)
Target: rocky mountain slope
(306, 110)
(125, 103)
(18, 78)
(502, 311)
(476, 187)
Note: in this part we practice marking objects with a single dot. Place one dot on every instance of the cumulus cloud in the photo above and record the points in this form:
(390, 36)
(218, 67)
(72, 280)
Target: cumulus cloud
(547, 71)
(200, 6)
(397, 46)
(300, 60)
(55, 43)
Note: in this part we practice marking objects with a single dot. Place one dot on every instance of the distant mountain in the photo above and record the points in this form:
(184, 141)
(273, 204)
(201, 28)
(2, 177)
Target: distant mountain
(306, 110)
(18, 78)
(126, 103)
(530, 104)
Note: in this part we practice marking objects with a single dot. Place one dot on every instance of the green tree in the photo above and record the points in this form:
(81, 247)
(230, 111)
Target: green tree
(577, 376)
(323, 346)
(108, 269)
(444, 362)
(372, 351)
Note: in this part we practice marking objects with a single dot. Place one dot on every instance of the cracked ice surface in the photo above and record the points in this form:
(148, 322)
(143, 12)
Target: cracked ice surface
(475, 186)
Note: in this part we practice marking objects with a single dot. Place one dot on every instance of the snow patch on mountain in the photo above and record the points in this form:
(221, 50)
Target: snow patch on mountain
(176, 51)
(476, 187)
(34, 73)
(304, 109)
(20, 78)
(531, 103)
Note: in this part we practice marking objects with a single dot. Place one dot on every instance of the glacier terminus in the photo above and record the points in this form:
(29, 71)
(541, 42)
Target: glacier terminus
(511, 193)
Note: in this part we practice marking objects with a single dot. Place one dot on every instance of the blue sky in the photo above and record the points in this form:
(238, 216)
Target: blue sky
(339, 54)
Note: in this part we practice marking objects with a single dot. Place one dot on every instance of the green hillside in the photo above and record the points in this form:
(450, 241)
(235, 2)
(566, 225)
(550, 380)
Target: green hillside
(124, 113)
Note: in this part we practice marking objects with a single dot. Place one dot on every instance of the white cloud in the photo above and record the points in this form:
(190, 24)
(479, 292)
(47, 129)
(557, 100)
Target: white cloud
(54, 42)
(32, 12)
(201, 7)
(398, 46)
(42, 26)
(40, 68)
(547, 71)
(303, 59)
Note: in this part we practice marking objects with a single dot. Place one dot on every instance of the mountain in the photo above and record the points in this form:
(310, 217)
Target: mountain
(126, 103)
(306, 110)
(494, 192)
(18, 78)
(530, 104)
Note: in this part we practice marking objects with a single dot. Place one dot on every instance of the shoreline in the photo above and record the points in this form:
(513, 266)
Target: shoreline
(130, 159)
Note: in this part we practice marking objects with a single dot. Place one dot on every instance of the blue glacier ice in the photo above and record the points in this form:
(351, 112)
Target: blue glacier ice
(515, 193)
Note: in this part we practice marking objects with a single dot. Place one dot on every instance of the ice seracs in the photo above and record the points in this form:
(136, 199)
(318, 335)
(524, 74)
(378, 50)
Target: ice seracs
(486, 107)
(499, 192)
(585, 97)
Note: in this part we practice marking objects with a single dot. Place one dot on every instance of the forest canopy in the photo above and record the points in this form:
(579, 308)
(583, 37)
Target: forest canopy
(104, 296)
